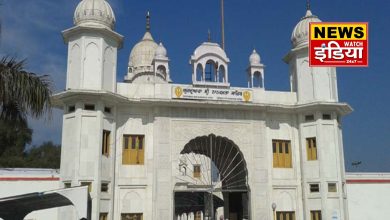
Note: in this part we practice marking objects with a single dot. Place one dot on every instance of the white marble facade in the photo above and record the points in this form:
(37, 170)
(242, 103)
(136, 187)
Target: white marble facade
(170, 116)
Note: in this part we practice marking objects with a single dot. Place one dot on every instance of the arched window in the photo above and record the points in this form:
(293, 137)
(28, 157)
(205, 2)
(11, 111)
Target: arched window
(162, 71)
(199, 73)
(210, 71)
(257, 80)
(221, 74)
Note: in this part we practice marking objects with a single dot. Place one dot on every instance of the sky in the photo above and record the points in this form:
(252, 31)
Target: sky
(32, 31)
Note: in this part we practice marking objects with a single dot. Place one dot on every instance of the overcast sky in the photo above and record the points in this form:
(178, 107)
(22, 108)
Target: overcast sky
(32, 30)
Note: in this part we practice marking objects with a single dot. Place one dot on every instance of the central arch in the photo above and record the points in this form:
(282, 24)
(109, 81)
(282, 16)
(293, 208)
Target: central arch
(212, 180)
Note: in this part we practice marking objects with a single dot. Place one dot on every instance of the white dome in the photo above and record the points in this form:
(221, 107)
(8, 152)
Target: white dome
(92, 12)
(254, 58)
(210, 48)
(300, 34)
(161, 52)
(143, 52)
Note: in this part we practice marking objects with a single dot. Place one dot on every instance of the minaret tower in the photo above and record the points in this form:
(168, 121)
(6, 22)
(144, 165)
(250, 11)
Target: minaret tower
(88, 143)
(92, 47)
(320, 142)
(310, 83)
(255, 71)
(148, 61)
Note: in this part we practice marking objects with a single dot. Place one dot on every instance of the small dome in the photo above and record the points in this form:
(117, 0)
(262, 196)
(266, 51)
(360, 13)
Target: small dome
(161, 52)
(143, 52)
(254, 58)
(210, 48)
(300, 34)
(92, 12)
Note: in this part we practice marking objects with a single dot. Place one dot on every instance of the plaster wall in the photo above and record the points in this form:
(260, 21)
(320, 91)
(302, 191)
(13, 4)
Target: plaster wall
(22, 181)
(368, 195)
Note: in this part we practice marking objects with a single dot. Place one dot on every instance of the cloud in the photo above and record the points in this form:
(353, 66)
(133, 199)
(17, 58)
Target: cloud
(32, 31)
(55, 67)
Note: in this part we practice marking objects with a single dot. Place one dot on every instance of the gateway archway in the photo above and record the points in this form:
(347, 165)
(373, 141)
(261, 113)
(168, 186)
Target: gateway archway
(212, 181)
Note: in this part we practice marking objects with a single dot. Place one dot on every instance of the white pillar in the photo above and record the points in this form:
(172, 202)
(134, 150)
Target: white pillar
(262, 79)
(194, 72)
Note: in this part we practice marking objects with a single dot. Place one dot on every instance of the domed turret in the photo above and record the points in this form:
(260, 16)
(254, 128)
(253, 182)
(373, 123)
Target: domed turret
(148, 61)
(92, 47)
(210, 65)
(311, 84)
(255, 71)
(94, 12)
(300, 34)
(254, 58)
(210, 48)
(161, 52)
(161, 63)
(142, 54)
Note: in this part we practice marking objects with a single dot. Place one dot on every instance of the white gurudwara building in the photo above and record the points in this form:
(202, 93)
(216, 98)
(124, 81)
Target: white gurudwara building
(149, 148)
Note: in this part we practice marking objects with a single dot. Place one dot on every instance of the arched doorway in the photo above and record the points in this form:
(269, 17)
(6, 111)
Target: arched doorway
(212, 181)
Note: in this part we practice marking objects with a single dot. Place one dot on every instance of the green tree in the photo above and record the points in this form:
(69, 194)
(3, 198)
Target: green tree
(22, 94)
(13, 139)
(47, 155)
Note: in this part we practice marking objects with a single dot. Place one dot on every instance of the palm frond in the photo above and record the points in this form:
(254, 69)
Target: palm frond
(22, 93)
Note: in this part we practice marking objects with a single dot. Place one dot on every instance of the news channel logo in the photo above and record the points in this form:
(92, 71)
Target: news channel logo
(338, 44)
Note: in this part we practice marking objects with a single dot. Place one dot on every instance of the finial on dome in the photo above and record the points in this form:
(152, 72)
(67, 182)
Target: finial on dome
(308, 9)
(148, 21)
(299, 36)
(208, 35)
